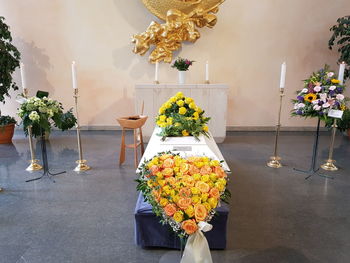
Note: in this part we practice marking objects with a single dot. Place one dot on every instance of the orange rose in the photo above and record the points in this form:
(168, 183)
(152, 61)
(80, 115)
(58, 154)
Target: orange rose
(184, 167)
(206, 170)
(170, 209)
(189, 180)
(193, 170)
(168, 172)
(185, 192)
(200, 212)
(189, 226)
(169, 163)
(220, 172)
(156, 195)
(154, 169)
(165, 156)
(204, 187)
(214, 192)
(184, 202)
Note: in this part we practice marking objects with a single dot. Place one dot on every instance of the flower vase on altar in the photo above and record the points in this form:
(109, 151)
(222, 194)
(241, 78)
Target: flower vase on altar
(182, 77)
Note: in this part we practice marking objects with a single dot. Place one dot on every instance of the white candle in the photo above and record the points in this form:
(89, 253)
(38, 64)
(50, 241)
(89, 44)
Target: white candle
(283, 76)
(341, 73)
(23, 77)
(207, 71)
(74, 76)
(156, 72)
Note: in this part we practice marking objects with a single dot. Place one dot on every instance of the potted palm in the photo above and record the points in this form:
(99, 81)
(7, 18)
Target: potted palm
(9, 61)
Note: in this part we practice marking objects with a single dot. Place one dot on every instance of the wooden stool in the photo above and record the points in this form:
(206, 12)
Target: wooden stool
(132, 123)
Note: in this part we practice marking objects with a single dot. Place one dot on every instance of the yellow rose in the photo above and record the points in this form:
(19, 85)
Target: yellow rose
(179, 95)
(213, 177)
(192, 105)
(205, 128)
(197, 177)
(149, 183)
(220, 186)
(190, 211)
(162, 118)
(167, 105)
(172, 99)
(199, 164)
(169, 121)
(222, 181)
(185, 133)
(214, 163)
(161, 182)
(196, 199)
(176, 198)
(177, 124)
(188, 100)
(211, 184)
(195, 190)
(182, 110)
(213, 202)
(178, 216)
(196, 116)
(204, 197)
(180, 103)
(198, 109)
(161, 110)
(205, 178)
(163, 202)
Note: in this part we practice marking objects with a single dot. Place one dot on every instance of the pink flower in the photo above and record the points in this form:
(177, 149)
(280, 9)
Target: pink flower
(332, 87)
(326, 105)
(330, 74)
(317, 107)
(340, 96)
(317, 89)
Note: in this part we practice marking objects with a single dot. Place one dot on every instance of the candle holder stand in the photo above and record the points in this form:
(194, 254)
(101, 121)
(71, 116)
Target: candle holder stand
(82, 166)
(329, 164)
(275, 159)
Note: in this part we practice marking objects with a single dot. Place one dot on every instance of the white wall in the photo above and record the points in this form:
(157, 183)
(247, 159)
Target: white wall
(245, 49)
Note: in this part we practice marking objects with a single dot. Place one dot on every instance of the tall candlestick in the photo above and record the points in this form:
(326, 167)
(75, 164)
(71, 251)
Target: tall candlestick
(283, 76)
(156, 80)
(23, 77)
(341, 73)
(74, 76)
(207, 72)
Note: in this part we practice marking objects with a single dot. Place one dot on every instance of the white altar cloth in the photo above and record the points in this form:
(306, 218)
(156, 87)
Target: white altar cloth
(186, 146)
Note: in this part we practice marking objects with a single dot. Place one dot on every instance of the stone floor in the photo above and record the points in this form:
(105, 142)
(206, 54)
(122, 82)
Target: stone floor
(276, 215)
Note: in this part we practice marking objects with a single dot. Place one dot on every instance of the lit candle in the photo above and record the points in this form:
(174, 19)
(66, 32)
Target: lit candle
(23, 77)
(207, 71)
(283, 76)
(341, 73)
(74, 76)
(156, 72)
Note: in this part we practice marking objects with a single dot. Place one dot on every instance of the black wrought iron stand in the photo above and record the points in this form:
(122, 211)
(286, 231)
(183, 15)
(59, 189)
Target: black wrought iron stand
(313, 171)
(45, 162)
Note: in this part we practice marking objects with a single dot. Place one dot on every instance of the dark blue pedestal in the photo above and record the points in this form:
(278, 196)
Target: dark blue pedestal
(149, 232)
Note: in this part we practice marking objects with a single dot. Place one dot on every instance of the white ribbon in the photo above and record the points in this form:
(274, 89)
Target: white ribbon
(197, 248)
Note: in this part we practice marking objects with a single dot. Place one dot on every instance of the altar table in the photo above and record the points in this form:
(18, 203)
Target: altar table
(210, 97)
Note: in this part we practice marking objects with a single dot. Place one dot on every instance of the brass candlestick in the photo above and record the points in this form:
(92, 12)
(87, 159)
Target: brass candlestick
(156, 82)
(275, 159)
(82, 166)
(329, 164)
(34, 165)
(207, 82)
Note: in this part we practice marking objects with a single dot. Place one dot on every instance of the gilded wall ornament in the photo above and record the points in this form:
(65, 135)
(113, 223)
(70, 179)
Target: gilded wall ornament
(182, 18)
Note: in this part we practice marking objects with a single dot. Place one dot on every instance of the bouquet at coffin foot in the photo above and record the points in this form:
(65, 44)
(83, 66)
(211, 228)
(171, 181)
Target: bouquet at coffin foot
(180, 116)
(322, 92)
(183, 191)
(41, 113)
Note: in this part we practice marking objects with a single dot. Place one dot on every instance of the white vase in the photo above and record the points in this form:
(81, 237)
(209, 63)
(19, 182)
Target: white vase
(182, 77)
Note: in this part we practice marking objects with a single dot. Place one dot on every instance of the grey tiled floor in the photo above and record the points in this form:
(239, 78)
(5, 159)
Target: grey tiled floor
(276, 216)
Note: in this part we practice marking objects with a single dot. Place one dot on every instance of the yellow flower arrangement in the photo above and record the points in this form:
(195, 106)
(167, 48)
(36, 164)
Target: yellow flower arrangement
(180, 116)
(183, 191)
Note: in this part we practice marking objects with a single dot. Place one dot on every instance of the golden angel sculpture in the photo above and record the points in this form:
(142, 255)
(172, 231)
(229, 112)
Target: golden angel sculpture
(182, 18)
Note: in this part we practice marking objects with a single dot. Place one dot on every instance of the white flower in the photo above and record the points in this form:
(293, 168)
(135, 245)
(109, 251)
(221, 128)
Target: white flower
(332, 87)
(330, 74)
(296, 106)
(340, 96)
(304, 91)
(317, 89)
(315, 101)
(42, 109)
(317, 107)
(34, 116)
(323, 97)
(326, 105)
(301, 105)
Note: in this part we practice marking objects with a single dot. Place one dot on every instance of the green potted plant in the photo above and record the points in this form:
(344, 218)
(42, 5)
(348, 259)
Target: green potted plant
(9, 61)
(341, 39)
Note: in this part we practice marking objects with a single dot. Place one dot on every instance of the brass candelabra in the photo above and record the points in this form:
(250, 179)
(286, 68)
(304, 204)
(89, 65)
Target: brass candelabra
(275, 159)
(82, 166)
(329, 164)
(34, 165)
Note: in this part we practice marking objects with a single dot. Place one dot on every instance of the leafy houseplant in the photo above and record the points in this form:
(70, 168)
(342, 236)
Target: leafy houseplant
(42, 113)
(9, 61)
(341, 39)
